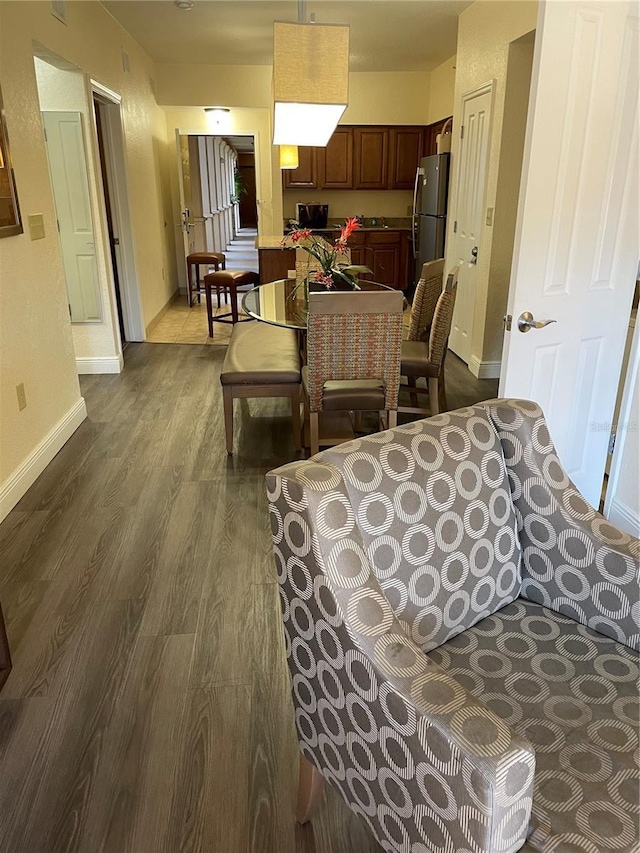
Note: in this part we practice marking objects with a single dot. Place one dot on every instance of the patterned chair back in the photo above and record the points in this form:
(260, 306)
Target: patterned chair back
(425, 298)
(354, 335)
(442, 319)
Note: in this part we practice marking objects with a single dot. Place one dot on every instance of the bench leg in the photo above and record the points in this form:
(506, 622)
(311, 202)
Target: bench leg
(227, 399)
(295, 417)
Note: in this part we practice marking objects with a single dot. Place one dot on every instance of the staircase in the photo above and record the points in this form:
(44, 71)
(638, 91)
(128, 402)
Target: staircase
(241, 253)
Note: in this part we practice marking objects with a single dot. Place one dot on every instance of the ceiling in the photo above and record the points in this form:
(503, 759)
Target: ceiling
(242, 144)
(386, 35)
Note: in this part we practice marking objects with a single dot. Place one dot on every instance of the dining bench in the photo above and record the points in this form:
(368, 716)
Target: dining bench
(261, 361)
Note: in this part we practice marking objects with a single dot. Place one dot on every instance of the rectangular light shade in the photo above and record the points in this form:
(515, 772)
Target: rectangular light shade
(289, 157)
(310, 81)
(305, 124)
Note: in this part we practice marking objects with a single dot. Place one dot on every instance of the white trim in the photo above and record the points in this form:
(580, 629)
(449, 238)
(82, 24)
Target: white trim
(100, 364)
(484, 369)
(28, 472)
(109, 94)
(624, 516)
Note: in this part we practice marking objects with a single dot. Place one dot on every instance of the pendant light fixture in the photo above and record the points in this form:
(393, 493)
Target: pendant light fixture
(310, 81)
(288, 156)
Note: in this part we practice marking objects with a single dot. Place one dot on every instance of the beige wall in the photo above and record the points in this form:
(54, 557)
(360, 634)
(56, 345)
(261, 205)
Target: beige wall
(485, 31)
(64, 89)
(343, 203)
(35, 333)
(441, 92)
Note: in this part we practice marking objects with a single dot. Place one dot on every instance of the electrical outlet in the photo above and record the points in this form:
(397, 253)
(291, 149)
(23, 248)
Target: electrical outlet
(22, 396)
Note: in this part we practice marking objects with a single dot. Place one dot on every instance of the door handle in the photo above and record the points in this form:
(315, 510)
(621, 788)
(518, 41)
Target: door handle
(526, 322)
(474, 255)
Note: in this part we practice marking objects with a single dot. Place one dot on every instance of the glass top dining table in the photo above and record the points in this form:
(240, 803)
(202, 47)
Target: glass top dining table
(279, 303)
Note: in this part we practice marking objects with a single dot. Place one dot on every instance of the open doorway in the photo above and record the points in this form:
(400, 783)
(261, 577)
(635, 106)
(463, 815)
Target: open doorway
(219, 214)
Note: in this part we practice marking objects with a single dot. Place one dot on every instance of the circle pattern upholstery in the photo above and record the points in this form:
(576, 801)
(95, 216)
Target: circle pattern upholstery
(373, 571)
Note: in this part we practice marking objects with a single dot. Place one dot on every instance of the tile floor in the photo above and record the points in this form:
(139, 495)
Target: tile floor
(184, 325)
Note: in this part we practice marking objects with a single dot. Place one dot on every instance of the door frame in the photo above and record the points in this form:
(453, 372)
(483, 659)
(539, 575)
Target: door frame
(115, 166)
(486, 88)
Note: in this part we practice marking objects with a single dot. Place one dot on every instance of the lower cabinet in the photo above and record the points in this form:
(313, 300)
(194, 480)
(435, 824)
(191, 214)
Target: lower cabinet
(385, 252)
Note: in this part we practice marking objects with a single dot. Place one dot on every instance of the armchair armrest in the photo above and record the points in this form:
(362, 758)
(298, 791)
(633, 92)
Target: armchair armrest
(411, 751)
(574, 561)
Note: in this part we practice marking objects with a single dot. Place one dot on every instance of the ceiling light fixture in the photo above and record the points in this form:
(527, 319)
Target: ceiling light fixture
(310, 81)
(185, 5)
(288, 156)
(218, 119)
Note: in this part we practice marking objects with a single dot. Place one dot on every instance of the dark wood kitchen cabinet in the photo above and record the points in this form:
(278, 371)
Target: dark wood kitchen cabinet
(405, 150)
(335, 162)
(385, 251)
(371, 154)
(306, 175)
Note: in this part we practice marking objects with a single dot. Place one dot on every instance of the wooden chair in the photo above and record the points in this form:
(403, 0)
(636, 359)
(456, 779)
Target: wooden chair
(354, 345)
(426, 358)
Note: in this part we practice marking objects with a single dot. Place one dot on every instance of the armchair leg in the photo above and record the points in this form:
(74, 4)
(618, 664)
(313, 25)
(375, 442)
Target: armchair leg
(392, 418)
(310, 786)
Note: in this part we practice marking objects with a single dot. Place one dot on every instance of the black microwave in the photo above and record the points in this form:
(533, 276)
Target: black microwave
(312, 215)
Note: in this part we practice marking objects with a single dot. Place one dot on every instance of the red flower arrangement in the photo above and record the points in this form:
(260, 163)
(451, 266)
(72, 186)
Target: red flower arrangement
(334, 269)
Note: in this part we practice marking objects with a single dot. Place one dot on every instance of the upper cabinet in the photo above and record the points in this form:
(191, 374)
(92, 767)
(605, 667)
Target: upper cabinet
(405, 150)
(371, 146)
(364, 157)
(336, 161)
(306, 175)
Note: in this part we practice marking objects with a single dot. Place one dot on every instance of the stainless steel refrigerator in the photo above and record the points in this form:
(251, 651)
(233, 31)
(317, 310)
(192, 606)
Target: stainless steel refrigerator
(430, 210)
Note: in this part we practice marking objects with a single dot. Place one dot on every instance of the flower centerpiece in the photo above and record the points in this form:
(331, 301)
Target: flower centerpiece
(335, 272)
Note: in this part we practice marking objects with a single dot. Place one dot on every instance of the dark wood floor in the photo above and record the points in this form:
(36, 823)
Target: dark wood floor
(148, 708)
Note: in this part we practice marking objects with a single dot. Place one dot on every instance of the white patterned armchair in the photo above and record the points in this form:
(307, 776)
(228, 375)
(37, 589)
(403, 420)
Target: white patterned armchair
(461, 630)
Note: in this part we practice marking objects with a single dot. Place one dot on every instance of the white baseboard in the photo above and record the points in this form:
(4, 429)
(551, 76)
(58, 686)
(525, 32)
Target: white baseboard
(624, 517)
(28, 472)
(484, 369)
(100, 364)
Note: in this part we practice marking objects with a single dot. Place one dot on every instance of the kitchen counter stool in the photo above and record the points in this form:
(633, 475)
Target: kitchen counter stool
(209, 259)
(228, 281)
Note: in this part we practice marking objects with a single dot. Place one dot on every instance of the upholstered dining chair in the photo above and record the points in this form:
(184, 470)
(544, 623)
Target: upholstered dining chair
(354, 344)
(425, 299)
(426, 358)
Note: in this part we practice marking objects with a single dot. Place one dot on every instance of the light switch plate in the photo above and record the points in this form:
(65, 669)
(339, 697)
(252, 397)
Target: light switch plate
(36, 226)
(489, 219)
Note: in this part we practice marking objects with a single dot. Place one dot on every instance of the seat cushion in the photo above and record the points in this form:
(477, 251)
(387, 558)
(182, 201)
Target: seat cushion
(433, 507)
(415, 360)
(224, 278)
(341, 395)
(573, 694)
(260, 354)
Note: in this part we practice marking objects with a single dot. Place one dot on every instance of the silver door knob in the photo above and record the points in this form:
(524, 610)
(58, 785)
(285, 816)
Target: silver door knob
(526, 322)
(474, 255)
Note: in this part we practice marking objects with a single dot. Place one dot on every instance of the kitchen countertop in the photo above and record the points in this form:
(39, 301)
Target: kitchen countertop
(270, 241)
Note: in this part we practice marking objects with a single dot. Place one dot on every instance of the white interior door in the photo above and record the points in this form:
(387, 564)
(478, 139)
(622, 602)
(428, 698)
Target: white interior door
(469, 212)
(184, 195)
(70, 184)
(576, 248)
